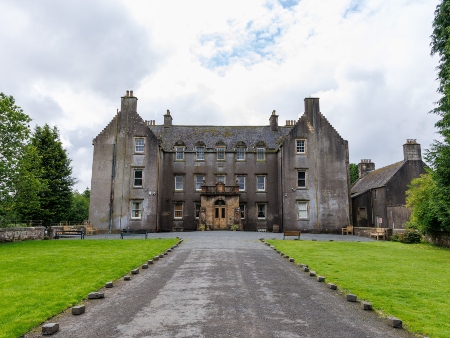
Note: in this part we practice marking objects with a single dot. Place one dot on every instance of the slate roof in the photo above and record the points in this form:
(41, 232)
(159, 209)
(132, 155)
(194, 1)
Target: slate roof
(211, 135)
(375, 179)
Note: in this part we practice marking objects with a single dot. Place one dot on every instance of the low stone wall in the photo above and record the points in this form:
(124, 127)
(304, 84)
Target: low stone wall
(21, 234)
(439, 238)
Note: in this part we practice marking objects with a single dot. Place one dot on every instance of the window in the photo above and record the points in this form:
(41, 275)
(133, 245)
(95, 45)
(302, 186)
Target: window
(197, 210)
(178, 182)
(179, 151)
(241, 182)
(136, 210)
(199, 182)
(242, 207)
(300, 146)
(260, 154)
(302, 207)
(220, 153)
(137, 181)
(138, 145)
(260, 183)
(220, 178)
(301, 179)
(261, 210)
(200, 153)
(240, 154)
(178, 210)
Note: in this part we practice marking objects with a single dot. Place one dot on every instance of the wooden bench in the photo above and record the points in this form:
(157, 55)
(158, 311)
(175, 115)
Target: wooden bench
(348, 230)
(90, 230)
(295, 233)
(178, 229)
(69, 233)
(133, 232)
(378, 232)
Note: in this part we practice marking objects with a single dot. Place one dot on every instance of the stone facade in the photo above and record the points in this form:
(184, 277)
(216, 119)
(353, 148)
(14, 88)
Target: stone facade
(166, 177)
(379, 196)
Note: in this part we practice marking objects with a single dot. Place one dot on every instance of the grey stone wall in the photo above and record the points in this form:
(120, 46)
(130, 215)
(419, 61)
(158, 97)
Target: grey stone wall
(21, 234)
(439, 238)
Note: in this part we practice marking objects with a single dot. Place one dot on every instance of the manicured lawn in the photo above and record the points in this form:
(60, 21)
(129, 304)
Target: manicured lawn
(410, 282)
(39, 279)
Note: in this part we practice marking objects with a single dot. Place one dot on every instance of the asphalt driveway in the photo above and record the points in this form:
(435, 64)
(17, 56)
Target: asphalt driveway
(223, 284)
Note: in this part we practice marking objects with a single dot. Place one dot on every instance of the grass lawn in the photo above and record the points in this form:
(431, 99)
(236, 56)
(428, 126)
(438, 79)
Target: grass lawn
(39, 279)
(410, 282)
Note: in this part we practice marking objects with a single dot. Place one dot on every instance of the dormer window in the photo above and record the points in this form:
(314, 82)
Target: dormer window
(179, 153)
(260, 154)
(220, 153)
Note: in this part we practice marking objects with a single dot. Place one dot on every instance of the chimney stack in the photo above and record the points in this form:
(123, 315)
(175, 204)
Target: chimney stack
(274, 121)
(411, 150)
(365, 167)
(167, 120)
(128, 102)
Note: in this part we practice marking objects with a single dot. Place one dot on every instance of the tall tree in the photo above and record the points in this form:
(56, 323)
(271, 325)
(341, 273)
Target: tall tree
(14, 133)
(354, 173)
(56, 176)
(439, 154)
(79, 210)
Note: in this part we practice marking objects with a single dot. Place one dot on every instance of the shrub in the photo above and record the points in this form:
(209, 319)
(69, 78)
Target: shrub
(410, 236)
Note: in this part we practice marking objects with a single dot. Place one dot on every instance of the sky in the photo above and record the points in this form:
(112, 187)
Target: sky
(67, 63)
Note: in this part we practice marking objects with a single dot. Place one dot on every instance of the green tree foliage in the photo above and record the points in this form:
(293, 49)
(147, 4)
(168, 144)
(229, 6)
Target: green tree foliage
(354, 174)
(55, 196)
(422, 198)
(439, 154)
(14, 133)
(79, 210)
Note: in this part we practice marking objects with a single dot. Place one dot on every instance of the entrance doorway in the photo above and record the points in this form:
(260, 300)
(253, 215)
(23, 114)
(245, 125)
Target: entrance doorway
(220, 219)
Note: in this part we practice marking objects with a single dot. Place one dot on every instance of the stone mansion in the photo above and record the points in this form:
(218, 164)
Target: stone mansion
(163, 177)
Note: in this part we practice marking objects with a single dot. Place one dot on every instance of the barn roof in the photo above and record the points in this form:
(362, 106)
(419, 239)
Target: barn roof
(375, 179)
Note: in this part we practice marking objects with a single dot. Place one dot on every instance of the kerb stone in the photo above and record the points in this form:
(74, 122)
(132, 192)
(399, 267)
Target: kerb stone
(145, 266)
(135, 271)
(366, 306)
(291, 259)
(109, 284)
(78, 310)
(351, 298)
(332, 286)
(50, 328)
(126, 278)
(150, 261)
(321, 279)
(394, 322)
(312, 273)
(96, 295)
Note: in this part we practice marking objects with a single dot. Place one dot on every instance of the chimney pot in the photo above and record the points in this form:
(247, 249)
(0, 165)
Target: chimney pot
(128, 93)
(131, 93)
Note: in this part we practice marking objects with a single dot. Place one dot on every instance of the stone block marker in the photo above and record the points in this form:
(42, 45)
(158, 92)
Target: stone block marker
(272, 247)
(96, 295)
(332, 286)
(166, 253)
(306, 269)
(150, 261)
(366, 306)
(145, 266)
(78, 310)
(351, 298)
(126, 278)
(303, 266)
(394, 322)
(321, 279)
(312, 273)
(169, 250)
(155, 258)
(291, 259)
(161, 256)
(50, 328)
(135, 271)
(109, 284)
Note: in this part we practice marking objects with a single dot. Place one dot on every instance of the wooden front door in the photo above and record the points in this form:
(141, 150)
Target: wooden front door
(220, 219)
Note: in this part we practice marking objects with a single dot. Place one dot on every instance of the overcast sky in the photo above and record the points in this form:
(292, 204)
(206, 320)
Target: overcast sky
(67, 63)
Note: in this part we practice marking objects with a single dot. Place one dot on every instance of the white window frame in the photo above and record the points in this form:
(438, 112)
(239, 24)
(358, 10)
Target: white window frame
(239, 177)
(242, 206)
(260, 154)
(135, 171)
(260, 186)
(179, 184)
(304, 171)
(179, 153)
(220, 153)
(138, 147)
(177, 213)
(136, 209)
(224, 181)
(300, 146)
(303, 212)
(199, 182)
(197, 207)
(264, 205)
(200, 153)
(240, 154)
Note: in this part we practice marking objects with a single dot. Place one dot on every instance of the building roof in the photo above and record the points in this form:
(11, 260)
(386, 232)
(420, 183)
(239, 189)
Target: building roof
(375, 179)
(211, 136)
